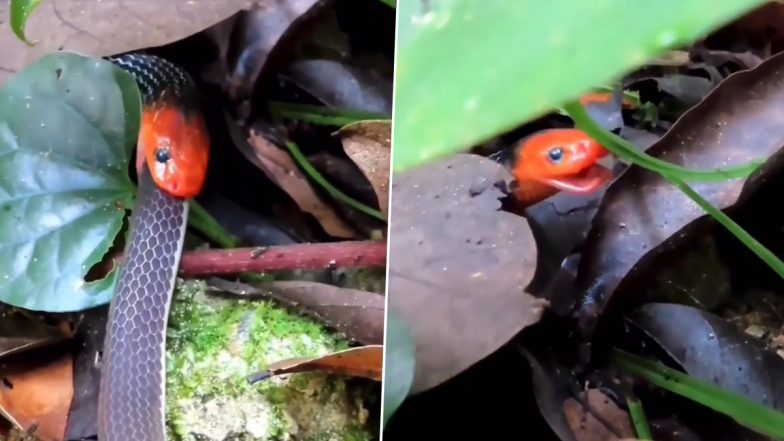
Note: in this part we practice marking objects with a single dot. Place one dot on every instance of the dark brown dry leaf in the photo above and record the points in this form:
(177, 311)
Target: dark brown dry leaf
(281, 169)
(761, 30)
(342, 86)
(256, 35)
(551, 391)
(744, 60)
(19, 333)
(358, 314)
(603, 420)
(364, 361)
(107, 27)
(36, 392)
(642, 215)
(458, 266)
(559, 224)
(710, 349)
(369, 145)
(90, 333)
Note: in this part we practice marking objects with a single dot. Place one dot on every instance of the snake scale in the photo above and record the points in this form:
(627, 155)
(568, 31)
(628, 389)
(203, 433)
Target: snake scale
(172, 154)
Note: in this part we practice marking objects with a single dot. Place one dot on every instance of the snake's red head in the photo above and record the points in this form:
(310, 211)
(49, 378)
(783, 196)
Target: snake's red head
(562, 158)
(176, 149)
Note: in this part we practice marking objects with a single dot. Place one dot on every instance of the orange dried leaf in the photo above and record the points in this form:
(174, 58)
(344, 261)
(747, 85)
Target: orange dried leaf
(363, 361)
(38, 396)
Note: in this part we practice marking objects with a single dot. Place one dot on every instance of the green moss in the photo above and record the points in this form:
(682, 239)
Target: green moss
(215, 343)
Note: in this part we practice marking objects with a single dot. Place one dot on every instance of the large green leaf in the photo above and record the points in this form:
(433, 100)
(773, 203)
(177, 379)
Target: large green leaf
(67, 128)
(399, 358)
(469, 69)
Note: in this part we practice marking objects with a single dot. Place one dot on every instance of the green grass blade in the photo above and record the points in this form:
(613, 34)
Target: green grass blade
(319, 114)
(745, 411)
(626, 150)
(753, 244)
(20, 12)
(639, 420)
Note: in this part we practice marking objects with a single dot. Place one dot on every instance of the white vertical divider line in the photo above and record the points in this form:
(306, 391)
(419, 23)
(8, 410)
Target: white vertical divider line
(390, 217)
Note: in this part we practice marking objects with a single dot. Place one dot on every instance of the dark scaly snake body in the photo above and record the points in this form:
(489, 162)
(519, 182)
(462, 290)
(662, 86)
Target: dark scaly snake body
(132, 394)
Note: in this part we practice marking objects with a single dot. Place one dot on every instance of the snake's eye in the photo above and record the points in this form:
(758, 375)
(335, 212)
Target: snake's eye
(162, 155)
(555, 154)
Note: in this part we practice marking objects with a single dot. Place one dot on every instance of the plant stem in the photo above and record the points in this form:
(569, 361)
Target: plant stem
(349, 254)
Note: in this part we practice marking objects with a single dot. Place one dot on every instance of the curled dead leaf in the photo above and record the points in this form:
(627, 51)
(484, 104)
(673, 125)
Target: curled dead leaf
(101, 28)
(369, 145)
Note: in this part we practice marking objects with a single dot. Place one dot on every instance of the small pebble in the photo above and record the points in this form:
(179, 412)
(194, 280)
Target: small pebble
(756, 331)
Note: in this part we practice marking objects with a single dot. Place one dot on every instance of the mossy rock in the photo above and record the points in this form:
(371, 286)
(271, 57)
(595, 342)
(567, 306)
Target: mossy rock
(214, 343)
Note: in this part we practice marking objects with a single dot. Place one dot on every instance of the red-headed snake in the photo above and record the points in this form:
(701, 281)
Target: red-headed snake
(172, 156)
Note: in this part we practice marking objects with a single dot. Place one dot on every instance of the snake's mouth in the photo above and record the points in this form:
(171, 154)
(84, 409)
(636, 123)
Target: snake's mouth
(586, 181)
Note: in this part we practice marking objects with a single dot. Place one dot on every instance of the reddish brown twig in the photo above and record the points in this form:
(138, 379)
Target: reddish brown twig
(288, 257)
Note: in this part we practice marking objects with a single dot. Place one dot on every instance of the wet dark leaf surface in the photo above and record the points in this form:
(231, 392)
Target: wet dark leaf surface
(256, 35)
(343, 86)
(559, 224)
(249, 227)
(642, 215)
(458, 267)
(687, 89)
(711, 349)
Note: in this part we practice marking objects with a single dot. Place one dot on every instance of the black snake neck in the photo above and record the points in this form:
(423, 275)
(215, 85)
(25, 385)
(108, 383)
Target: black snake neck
(158, 79)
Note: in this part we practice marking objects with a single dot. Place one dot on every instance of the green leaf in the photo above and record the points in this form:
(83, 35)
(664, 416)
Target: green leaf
(469, 69)
(751, 414)
(67, 128)
(399, 358)
(20, 12)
